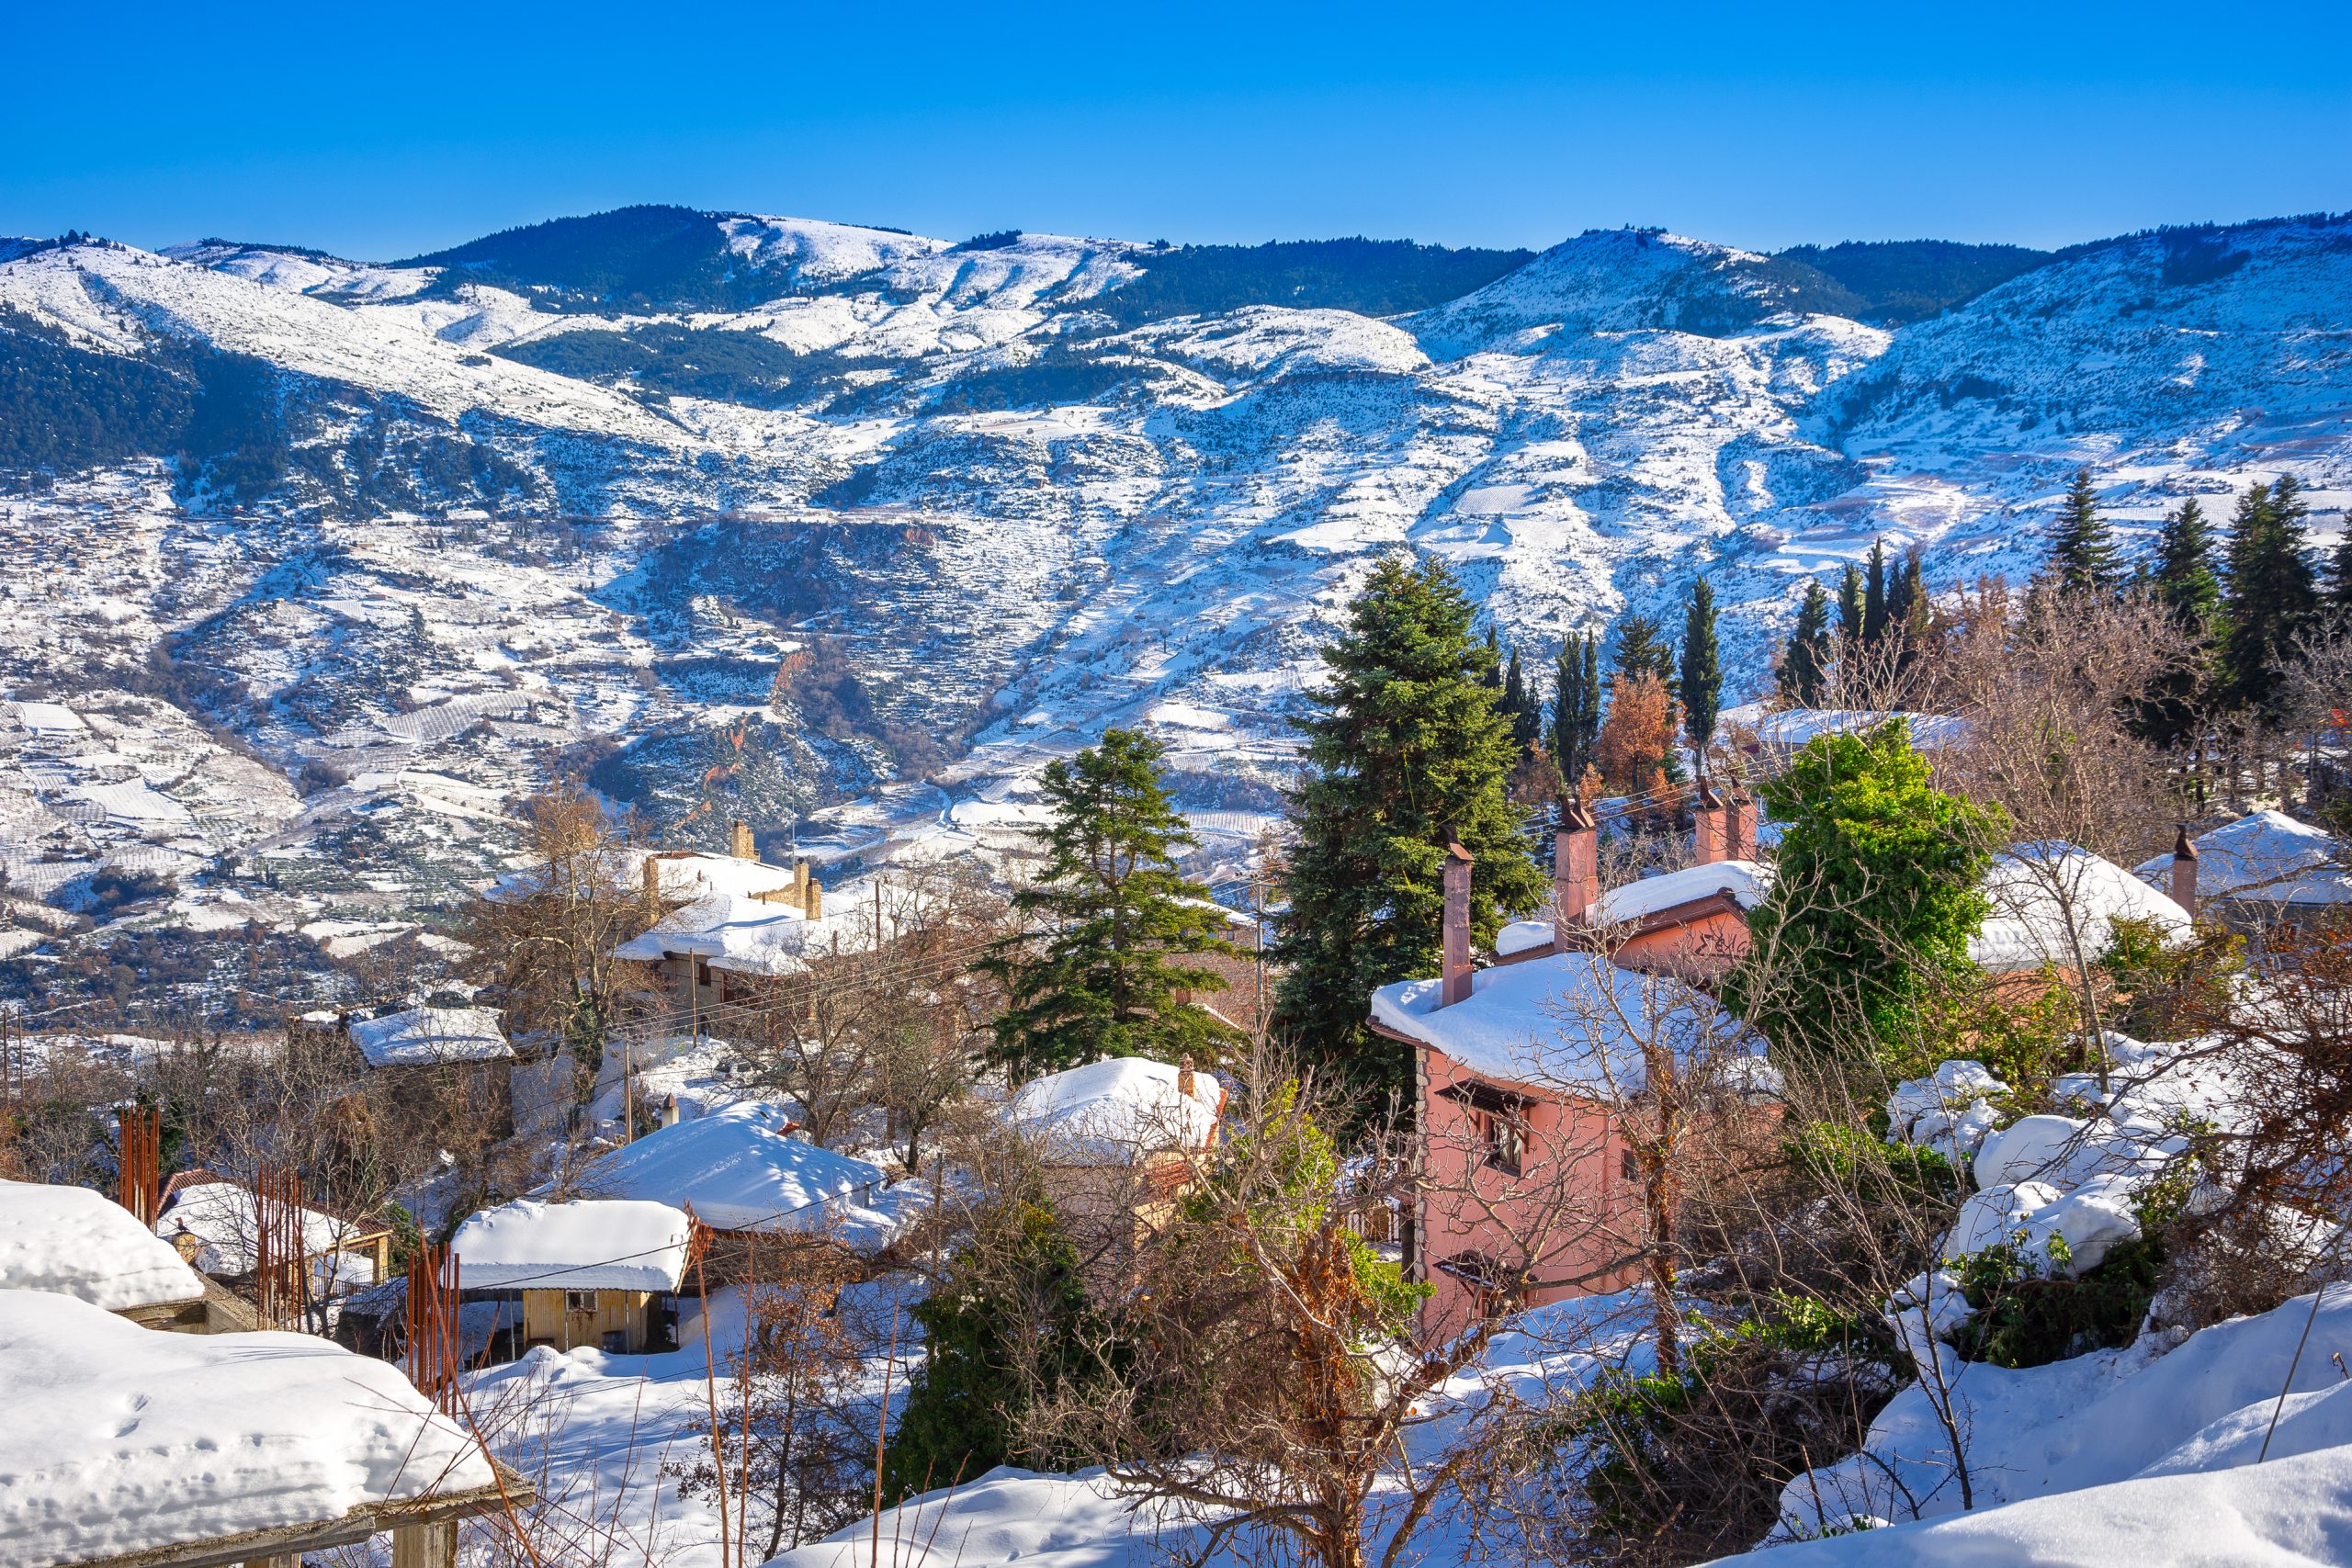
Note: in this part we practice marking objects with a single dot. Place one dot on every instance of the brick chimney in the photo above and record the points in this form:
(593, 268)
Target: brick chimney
(1707, 826)
(2184, 872)
(1575, 871)
(812, 897)
(1739, 825)
(1454, 985)
(739, 842)
(653, 873)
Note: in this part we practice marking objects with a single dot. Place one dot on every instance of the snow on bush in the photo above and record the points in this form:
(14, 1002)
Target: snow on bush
(1948, 1111)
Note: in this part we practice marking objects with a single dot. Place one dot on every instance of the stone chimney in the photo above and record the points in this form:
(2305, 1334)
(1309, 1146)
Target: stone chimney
(1740, 826)
(1575, 871)
(1708, 825)
(2184, 872)
(812, 892)
(1185, 1081)
(1454, 982)
(739, 842)
(653, 873)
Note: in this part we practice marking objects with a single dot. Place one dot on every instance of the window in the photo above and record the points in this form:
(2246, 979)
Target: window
(580, 1301)
(1628, 1167)
(1499, 1121)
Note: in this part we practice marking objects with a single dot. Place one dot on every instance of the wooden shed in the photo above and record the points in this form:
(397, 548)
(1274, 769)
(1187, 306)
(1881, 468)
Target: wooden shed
(600, 1273)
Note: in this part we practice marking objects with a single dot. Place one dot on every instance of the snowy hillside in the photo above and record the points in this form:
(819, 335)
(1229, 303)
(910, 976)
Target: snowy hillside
(892, 520)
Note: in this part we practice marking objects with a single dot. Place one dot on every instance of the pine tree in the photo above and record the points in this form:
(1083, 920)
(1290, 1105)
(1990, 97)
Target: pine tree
(1408, 747)
(1118, 931)
(1917, 624)
(1803, 674)
(1576, 704)
(2272, 596)
(2082, 552)
(1875, 597)
(1492, 675)
(1850, 609)
(1642, 649)
(1702, 685)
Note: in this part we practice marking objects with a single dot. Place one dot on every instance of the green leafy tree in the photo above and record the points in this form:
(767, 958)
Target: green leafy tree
(1576, 704)
(1119, 929)
(1408, 747)
(1874, 901)
(1702, 685)
(2273, 596)
(2082, 552)
(1803, 674)
(1014, 1298)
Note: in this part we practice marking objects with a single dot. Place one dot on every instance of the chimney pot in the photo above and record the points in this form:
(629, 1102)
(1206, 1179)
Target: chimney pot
(1453, 983)
(2184, 872)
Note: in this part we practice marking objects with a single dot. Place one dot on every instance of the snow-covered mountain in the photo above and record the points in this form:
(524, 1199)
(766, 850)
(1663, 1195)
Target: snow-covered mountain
(790, 516)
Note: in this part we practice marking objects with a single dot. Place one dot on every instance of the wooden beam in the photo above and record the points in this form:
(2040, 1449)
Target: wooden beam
(286, 1544)
(425, 1546)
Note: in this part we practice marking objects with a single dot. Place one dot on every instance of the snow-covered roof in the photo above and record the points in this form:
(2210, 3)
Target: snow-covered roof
(1519, 936)
(1566, 1020)
(2267, 858)
(738, 1170)
(426, 1035)
(1791, 727)
(594, 1245)
(1745, 881)
(1116, 1111)
(121, 1440)
(694, 874)
(2035, 888)
(220, 1216)
(72, 1241)
(732, 932)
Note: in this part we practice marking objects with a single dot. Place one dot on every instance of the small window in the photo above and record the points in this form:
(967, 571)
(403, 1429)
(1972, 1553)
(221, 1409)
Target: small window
(1505, 1137)
(1493, 1289)
(580, 1301)
(1628, 1167)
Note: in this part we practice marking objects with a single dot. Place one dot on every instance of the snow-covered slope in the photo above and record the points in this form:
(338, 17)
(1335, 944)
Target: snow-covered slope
(997, 517)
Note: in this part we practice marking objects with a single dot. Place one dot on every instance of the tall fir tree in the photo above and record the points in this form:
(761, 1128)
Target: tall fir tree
(2339, 587)
(1702, 684)
(1875, 597)
(1851, 610)
(1902, 591)
(1493, 674)
(1916, 624)
(2272, 596)
(2185, 582)
(1803, 674)
(1118, 933)
(1576, 705)
(1641, 648)
(2082, 558)
(1406, 748)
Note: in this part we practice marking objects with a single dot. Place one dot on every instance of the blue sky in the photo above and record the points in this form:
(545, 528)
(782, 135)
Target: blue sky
(383, 131)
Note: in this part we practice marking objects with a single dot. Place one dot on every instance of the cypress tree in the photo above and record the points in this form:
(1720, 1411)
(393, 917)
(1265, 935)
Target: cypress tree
(1576, 704)
(1804, 663)
(2082, 552)
(1407, 745)
(1520, 707)
(1875, 597)
(1493, 673)
(1118, 931)
(2339, 586)
(1902, 591)
(2272, 595)
(1918, 622)
(1850, 605)
(1702, 684)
